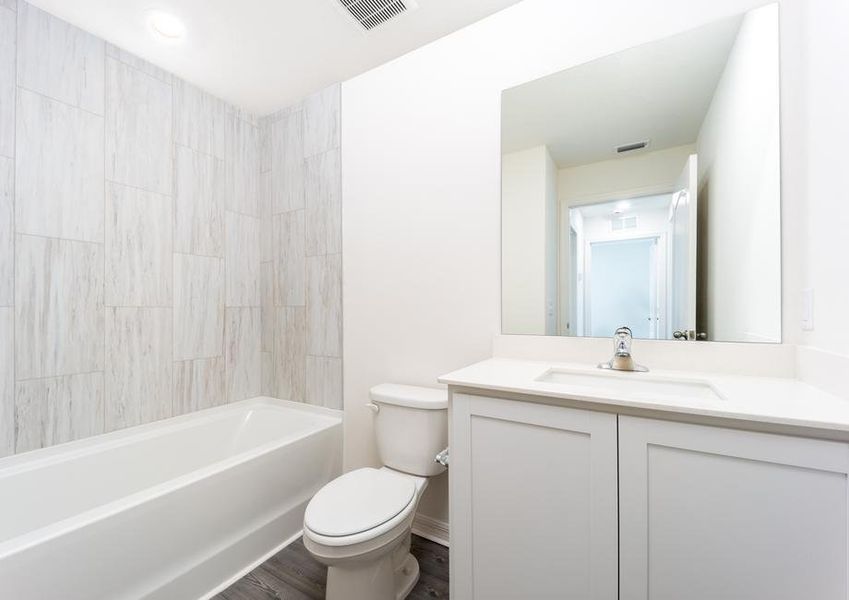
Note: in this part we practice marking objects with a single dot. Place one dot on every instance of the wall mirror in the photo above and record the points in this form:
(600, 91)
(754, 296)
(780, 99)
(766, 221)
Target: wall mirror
(643, 189)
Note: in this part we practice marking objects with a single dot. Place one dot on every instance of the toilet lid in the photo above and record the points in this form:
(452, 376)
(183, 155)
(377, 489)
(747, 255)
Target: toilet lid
(358, 501)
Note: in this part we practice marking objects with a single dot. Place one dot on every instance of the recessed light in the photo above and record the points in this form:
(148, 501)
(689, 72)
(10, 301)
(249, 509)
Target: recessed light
(165, 26)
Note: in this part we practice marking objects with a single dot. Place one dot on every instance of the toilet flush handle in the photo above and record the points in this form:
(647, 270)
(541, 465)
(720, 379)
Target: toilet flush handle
(443, 457)
(373, 407)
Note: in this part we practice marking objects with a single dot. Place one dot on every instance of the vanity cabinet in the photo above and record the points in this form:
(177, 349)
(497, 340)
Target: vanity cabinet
(533, 501)
(707, 513)
(554, 502)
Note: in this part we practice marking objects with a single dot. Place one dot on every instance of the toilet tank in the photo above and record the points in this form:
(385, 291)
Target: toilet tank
(411, 427)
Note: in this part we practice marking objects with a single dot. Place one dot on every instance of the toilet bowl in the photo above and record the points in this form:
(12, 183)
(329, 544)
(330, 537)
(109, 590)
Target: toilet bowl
(359, 524)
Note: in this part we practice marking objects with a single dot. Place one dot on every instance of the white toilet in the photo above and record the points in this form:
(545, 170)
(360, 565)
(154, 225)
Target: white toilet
(359, 524)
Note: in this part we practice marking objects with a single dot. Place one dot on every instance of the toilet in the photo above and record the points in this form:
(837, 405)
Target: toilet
(359, 524)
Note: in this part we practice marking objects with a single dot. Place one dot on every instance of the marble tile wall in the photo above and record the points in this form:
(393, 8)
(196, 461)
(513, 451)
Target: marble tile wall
(301, 251)
(132, 239)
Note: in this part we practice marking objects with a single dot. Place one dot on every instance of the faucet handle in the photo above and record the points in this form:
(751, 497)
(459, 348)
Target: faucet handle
(622, 341)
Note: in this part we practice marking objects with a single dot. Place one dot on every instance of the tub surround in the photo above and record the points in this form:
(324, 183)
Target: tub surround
(149, 490)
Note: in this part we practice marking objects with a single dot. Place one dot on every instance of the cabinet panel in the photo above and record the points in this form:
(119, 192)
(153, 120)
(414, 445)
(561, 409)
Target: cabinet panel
(534, 488)
(716, 514)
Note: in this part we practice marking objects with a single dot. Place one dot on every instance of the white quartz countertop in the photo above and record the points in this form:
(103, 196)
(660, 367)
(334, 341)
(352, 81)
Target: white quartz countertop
(775, 401)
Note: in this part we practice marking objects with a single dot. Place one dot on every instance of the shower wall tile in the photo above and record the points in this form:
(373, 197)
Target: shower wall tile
(199, 203)
(58, 307)
(10, 4)
(59, 169)
(138, 128)
(266, 280)
(290, 353)
(137, 63)
(324, 381)
(7, 82)
(267, 374)
(7, 380)
(139, 228)
(57, 410)
(266, 244)
(59, 60)
(198, 306)
(242, 165)
(264, 144)
(289, 263)
(7, 232)
(199, 120)
(242, 353)
(321, 121)
(242, 259)
(287, 163)
(324, 305)
(198, 384)
(323, 204)
(138, 366)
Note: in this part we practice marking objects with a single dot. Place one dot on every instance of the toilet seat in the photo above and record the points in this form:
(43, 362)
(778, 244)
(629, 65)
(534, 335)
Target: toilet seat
(360, 506)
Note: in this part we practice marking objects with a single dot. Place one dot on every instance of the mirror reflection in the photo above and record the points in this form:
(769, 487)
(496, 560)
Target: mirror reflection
(643, 189)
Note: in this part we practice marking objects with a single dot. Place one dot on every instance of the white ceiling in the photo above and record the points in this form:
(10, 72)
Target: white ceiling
(267, 54)
(658, 91)
(625, 207)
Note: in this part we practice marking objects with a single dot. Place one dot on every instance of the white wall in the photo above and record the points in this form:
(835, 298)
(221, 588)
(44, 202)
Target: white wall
(739, 182)
(524, 227)
(421, 158)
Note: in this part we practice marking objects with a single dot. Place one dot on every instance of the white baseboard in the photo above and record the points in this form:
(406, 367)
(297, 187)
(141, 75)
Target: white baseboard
(431, 529)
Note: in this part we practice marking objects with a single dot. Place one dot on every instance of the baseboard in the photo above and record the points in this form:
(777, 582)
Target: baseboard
(431, 529)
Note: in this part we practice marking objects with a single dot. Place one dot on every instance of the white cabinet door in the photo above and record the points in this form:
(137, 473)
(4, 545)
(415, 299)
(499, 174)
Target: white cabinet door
(533, 501)
(717, 514)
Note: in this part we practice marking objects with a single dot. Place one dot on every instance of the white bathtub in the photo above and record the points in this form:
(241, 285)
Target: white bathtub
(176, 509)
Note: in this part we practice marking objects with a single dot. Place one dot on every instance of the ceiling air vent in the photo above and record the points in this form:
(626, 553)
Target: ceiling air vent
(631, 147)
(373, 13)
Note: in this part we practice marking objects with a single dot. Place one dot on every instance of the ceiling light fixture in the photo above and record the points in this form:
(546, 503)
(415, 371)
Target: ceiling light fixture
(165, 26)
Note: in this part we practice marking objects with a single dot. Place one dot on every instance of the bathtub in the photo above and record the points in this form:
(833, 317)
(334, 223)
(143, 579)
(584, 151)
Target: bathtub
(177, 509)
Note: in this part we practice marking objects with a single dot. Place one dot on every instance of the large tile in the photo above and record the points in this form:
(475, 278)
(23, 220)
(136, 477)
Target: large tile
(324, 305)
(7, 83)
(290, 353)
(58, 170)
(199, 203)
(266, 246)
(324, 381)
(321, 121)
(57, 410)
(130, 59)
(59, 60)
(242, 165)
(139, 233)
(7, 231)
(138, 366)
(323, 204)
(289, 263)
(198, 384)
(138, 128)
(242, 260)
(199, 120)
(287, 163)
(58, 307)
(266, 285)
(264, 145)
(267, 374)
(242, 353)
(10, 4)
(198, 307)
(7, 380)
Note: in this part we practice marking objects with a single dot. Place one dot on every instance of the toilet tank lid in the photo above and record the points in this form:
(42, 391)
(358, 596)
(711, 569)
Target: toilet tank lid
(412, 396)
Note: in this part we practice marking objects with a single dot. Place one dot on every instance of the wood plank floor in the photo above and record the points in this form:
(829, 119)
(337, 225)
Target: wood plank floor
(292, 574)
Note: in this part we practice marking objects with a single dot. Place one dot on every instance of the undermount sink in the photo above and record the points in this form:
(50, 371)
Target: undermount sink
(620, 384)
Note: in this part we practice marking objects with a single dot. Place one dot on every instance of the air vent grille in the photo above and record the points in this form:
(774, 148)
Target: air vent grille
(373, 13)
(620, 223)
(633, 146)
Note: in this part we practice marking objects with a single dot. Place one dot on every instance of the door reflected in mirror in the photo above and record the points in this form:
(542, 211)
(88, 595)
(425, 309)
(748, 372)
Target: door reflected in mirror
(643, 189)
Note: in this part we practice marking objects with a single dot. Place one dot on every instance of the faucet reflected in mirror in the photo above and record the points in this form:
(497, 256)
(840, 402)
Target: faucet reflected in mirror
(643, 188)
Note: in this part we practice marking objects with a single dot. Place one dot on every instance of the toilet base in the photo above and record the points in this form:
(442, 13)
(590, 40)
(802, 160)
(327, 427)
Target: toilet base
(391, 577)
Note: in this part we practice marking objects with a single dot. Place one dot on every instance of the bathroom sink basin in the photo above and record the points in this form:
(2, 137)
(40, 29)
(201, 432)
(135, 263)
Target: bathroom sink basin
(630, 384)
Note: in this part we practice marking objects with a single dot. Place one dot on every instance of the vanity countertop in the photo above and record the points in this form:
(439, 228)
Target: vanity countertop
(765, 400)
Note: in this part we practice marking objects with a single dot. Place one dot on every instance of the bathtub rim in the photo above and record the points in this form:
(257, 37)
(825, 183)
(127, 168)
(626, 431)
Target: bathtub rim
(51, 455)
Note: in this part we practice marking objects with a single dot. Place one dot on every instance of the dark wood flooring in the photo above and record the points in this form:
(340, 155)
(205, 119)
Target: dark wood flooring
(292, 574)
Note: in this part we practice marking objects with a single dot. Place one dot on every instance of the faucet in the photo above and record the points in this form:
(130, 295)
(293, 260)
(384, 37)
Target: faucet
(622, 360)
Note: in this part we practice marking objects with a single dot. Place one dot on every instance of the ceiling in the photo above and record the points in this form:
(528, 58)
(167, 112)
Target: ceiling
(263, 55)
(625, 207)
(659, 91)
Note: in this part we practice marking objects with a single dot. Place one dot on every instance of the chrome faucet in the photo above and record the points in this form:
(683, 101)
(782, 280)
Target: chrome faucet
(622, 360)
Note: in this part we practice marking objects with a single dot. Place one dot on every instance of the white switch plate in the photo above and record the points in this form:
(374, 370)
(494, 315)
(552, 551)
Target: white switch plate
(807, 309)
